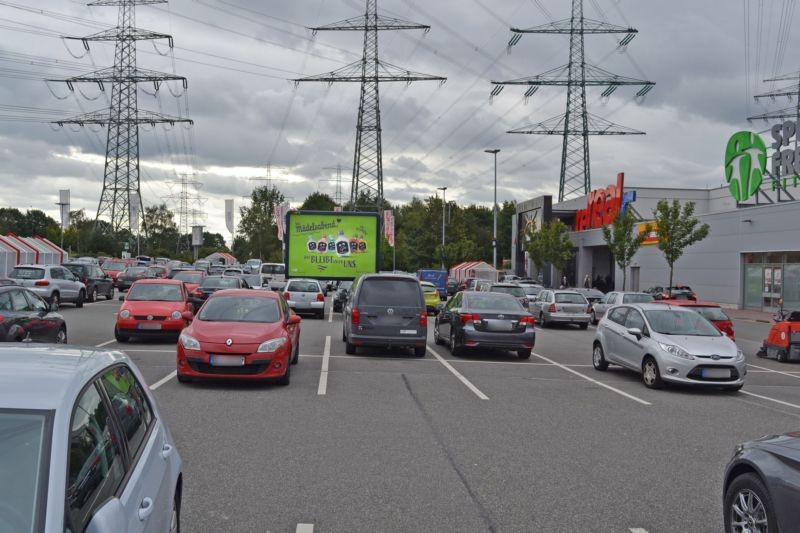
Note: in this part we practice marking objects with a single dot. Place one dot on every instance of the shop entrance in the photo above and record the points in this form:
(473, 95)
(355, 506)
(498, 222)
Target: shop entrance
(768, 277)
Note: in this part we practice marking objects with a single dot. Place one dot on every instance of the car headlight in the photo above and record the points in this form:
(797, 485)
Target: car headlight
(189, 342)
(125, 314)
(175, 315)
(677, 351)
(739, 355)
(271, 345)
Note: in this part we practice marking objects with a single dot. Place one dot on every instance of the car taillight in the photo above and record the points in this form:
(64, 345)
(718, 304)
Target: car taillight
(286, 295)
(552, 308)
(355, 317)
(527, 320)
(320, 297)
(467, 317)
(42, 283)
(423, 320)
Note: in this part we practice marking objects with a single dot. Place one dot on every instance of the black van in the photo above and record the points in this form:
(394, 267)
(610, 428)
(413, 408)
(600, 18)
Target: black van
(386, 310)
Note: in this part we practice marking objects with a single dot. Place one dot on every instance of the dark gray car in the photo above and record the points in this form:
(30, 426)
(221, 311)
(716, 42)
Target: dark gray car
(386, 310)
(485, 320)
(762, 485)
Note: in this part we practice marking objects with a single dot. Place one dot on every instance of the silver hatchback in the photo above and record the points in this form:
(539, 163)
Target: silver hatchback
(668, 344)
(53, 283)
(563, 307)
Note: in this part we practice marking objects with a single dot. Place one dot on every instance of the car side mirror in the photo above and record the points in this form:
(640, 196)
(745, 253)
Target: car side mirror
(110, 517)
(122, 298)
(187, 316)
(636, 332)
(294, 319)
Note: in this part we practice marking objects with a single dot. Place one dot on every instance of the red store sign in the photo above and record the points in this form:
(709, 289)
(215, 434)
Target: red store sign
(603, 206)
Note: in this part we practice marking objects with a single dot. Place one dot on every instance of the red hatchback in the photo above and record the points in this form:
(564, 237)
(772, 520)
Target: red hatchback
(710, 311)
(153, 308)
(240, 334)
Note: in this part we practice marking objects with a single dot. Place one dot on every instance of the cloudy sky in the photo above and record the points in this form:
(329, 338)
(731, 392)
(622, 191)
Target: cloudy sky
(239, 54)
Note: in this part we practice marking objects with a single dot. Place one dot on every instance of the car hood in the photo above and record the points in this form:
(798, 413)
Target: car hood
(701, 345)
(240, 332)
(788, 442)
(152, 308)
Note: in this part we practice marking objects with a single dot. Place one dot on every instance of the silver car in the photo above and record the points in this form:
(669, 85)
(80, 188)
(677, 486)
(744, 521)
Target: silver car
(668, 344)
(85, 443)
(563, 307)
(305, 296)
(53, 283)
(615, 298)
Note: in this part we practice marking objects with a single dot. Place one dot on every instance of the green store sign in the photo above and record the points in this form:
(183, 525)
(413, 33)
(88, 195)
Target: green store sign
(746, 161)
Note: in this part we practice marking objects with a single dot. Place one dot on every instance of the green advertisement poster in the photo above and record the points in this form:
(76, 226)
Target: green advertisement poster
(328, 245)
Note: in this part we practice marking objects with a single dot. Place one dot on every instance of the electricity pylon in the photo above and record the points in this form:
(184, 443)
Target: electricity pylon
(189, 206)
(369, 71)
(121, 174)
(789, 91)
(576, 124)
(337, 196)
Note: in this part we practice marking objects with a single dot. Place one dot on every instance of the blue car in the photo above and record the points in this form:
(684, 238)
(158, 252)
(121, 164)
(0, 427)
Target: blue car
(85, 443)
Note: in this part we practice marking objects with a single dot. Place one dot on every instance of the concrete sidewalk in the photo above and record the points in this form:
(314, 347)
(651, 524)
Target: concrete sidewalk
(750, 314)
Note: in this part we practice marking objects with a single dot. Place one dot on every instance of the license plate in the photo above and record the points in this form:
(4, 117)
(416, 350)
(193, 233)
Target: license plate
(408, 332)
(149, 326)
(227, 360)
(499, 325)
(716, 373)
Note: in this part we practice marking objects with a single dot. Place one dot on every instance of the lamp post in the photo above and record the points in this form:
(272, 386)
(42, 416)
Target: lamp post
(494, 209)
(444, 208)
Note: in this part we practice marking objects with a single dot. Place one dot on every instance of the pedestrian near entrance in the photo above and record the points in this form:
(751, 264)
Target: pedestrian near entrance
(564, 282)
(587, 282)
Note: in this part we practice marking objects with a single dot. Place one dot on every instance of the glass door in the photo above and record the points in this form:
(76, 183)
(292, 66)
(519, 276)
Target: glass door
(773, 288)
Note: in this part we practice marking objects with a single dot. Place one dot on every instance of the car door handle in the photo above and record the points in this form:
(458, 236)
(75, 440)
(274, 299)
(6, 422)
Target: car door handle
(167, 450)
(145, 509)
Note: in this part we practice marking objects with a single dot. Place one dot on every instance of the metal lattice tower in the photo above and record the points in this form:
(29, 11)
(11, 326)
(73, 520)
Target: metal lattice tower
(121, 174)
(188, 202)
(337, 195)
(576, 124)
(369, 71)
(790, 91)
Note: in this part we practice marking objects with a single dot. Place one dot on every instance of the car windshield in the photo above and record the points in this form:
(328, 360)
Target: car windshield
(428, 289)
(273, 269)
(303, 286)
(220, 283)
(711, 313)
(674, 322)
(155, 292)
(345, 285)
(240, 309)
(569, 298)
(495, 301)
(22, 459)
(519, 292)
(390, 292)
(26, 273)
(114, 266)
(135, 270)
(189, 277)
(636, 298)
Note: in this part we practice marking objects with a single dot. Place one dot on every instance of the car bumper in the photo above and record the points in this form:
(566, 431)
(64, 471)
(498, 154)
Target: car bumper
(140, 328)
(307, 306)
(692, 372)
(490, 339)
(568, 318)
(197, 364)
(400, 342)
(41, 292)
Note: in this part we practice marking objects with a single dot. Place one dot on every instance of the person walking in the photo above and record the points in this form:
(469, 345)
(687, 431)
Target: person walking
(587, 282)
(564, 282)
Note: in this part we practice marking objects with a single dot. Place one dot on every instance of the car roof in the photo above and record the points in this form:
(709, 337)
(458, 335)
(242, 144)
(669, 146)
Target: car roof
(45, 376)
(653, 306)
(159, 282)
(688, 303)
(511, 285)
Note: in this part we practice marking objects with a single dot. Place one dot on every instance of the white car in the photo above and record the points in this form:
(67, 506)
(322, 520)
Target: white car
(668, 344)
(275, 274)
(305, 296)
(53, 283)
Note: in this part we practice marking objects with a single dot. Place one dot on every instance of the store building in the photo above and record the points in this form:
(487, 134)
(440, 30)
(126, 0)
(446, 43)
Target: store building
(750, 259)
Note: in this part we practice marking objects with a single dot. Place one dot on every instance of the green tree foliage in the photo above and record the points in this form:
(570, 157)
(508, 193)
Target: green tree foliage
(257, 225)
(677, 229)
(550, 244)
(162, 231)
(623, 242)
(32, 222)
(317, 201)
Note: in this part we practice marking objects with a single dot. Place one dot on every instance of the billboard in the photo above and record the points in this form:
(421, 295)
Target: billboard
(331, 245)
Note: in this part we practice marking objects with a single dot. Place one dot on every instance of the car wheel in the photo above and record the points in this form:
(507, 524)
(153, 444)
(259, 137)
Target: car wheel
(55, 301)
(349, 347)
(783, 356)
(651, 375)
(598, 358)
(344, 337)
(119, 337)
(93, 295)
(584, 325)
(286, 377)
(524, 353)
(455, 349)
(110, 295)
(542, 321)
(175, 519)
(183, 379)
(61, 336)
(594, 319)
(81, 298)
(437, 338)
(321, 315)
(748, 504)
(296, 356)
(420, 351)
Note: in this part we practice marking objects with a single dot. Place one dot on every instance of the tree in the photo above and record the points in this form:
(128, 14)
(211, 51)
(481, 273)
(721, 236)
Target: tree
(257, 224)
(677, 229)
(162, 229)
(318, 201)
(622, 242)
(550, 244)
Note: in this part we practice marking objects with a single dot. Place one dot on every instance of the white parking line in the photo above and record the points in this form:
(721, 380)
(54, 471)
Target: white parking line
(787, 404)
(330, 316)
(323, 375)
(304, 528)
(775, 371)
(587, 378)
(457, 374)
(163, 380)
(637, 530)
(112, 341)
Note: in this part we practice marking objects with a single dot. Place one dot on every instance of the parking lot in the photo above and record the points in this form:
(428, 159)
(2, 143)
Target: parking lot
(485, 442)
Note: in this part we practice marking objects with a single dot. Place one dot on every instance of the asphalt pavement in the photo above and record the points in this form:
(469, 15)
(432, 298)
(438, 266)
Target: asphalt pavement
(384, 441)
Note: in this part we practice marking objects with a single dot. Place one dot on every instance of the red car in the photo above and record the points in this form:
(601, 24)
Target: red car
(240, 334)
(710, 311)
(153, 308)
(115, 267)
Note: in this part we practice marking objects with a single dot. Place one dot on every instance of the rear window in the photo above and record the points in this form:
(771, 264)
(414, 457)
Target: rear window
(114, 266)
(569, 298)
(26, 273)
(496, 301)
(428, 289)
(519, 292)
(391, 292)
(220, 283)
(273, 269)
(711, 313)
(303, 286)
(189, 277)
(636, 298)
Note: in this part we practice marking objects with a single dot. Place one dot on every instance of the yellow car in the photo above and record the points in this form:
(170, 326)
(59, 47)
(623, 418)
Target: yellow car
(431, 294)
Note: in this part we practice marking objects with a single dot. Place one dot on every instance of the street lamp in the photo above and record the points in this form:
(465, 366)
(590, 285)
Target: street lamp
(444, 206)
(494, 209)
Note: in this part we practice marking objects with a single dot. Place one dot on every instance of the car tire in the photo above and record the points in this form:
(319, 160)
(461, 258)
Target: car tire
(55, 301)
(93, 295)
(344, 337)
(175, 519)
(455, 349)
(594, 319)
(120, 337)
(286, 378)
(437, 338)
(349, 348)
(733, 388)
(81, 298)
(524, 353)
(420, 351)
(183, 379)
(751, 489)
(651, 375)
(61, 336)
(599, 358)
(321, 315)
(296, 356)
(542, 321)
(584, 325)
(783, 356)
